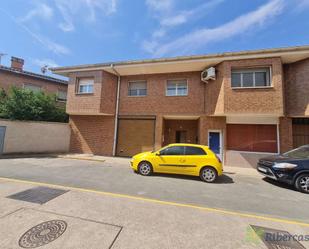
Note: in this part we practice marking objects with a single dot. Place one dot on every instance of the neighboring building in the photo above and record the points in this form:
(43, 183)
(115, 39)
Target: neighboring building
(16, 76)
(257, 104)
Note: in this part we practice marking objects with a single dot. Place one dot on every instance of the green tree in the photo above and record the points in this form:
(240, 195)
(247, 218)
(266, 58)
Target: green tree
(24, 104)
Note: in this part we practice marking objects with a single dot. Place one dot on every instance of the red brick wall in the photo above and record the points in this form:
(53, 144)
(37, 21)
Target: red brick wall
(102, 100)
(92, 134)
(286, 134)
(10, 79)
(297, 88)
(156, 102)
(204, 99)
(254, 101)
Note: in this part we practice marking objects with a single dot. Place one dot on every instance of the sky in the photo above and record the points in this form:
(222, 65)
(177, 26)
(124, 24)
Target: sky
(73, 32)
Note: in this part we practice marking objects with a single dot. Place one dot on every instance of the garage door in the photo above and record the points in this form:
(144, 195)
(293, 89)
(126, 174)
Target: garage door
(252, 137)
(135, 135)
(300, 131)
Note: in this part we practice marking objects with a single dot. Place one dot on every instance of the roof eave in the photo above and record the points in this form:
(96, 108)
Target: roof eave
(215, 58)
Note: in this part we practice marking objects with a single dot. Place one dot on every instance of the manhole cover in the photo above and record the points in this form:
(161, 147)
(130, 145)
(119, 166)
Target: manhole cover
(42, 234)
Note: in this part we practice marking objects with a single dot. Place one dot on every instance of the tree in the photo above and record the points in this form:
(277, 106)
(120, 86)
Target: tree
(24, 104)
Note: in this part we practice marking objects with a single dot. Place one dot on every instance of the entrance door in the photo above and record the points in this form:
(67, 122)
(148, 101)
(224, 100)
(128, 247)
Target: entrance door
(300, 131)
(181, 136)
(2, 134)
(214, 142)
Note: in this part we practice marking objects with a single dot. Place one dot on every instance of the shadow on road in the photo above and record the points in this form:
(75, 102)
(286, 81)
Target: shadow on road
(224, 179)
(23, 156)
(279, 184)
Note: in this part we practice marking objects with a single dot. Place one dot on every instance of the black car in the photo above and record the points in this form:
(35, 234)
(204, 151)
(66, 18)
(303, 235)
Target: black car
(291, 167)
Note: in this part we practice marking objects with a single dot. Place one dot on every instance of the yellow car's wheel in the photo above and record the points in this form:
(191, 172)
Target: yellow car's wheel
(208, 174)
(145, 168)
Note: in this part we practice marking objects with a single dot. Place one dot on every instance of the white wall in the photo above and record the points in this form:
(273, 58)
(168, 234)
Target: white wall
(35, 137)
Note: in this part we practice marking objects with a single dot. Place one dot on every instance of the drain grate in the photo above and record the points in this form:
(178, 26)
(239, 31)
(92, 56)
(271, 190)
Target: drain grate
(39, 195)
(273, 238)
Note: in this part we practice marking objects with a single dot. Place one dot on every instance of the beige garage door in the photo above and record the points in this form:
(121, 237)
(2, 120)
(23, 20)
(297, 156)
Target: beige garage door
(135, 136)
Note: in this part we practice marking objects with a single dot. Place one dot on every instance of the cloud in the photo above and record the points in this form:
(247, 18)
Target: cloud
(83, 9)
(201, 37)
(300, 5)
(44, 62)
(303, 3)
(44, 41)
(159, 5)
(41, 10)
(170, 18)
(185, 16)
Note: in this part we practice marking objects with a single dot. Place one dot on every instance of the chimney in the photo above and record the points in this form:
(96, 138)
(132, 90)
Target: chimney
(17, 63)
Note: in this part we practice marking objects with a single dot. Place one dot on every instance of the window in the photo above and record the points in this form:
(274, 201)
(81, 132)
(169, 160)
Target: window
(33, 88)
(62, 96)
(138, 88)
(254, 77)
(191, 150)
(177, 88)
(173, 151)
(85, 85)
(301, 152)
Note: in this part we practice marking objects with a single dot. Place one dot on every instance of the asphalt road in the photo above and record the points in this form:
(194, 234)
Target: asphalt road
(234, 192)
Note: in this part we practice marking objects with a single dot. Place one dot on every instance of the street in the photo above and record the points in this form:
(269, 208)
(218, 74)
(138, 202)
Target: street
(250, 194)
(165, 209)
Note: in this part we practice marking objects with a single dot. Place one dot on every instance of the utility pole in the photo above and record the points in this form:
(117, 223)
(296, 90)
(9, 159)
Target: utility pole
(1, 55)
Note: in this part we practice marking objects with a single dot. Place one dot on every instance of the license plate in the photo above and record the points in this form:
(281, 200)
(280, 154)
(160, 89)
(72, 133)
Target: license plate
(262, 169)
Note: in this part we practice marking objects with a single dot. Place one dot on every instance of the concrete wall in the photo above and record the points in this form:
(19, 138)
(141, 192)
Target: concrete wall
(35, 137)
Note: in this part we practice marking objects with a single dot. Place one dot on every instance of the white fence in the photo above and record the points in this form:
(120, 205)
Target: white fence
(34, 137)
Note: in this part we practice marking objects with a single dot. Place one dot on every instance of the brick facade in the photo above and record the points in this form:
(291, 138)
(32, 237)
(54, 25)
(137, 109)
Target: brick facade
(297, 88)
(156, 102)
(286, 136)
(206, 107)
(264, 101)
(92, 134)
(103, 98)
(8, 79)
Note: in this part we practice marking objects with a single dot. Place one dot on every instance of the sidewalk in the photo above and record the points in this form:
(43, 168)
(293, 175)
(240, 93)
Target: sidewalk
(95, 219)
(126, 162)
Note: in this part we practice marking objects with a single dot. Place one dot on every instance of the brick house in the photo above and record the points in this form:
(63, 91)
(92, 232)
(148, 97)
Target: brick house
(256, 104)
(16, 76)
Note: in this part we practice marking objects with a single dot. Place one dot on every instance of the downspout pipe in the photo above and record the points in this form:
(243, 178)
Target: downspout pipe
(116, 110)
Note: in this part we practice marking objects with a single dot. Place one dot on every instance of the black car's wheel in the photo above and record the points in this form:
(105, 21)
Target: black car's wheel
(208, 174)
(145, 168)
(302, 183)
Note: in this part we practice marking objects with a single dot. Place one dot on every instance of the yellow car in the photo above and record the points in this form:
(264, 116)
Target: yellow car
(185, 159)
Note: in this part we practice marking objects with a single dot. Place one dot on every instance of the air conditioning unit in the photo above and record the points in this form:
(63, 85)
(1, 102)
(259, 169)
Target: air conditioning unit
(208, 74)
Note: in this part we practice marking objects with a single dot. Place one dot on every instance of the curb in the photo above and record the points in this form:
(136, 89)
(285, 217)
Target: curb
(82, 158)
